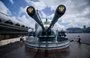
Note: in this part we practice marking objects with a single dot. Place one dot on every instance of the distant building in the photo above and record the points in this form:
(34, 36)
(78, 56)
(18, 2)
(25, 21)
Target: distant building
(84, 27)
(87, 30)
(74, 30)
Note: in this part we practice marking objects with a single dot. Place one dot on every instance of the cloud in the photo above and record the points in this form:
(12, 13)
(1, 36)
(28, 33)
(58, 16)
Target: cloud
(22, 18)
(58, 27)
(42, 14)
(26, 21)
(4, 9)
(39, 5)
(11, 1)
(77, 12)
(22, 10)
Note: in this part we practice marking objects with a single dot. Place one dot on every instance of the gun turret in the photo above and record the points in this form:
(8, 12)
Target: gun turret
(59, 12)
(32, 12)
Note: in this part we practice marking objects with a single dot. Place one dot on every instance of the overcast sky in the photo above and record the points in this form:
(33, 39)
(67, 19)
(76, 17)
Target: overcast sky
(77, 11)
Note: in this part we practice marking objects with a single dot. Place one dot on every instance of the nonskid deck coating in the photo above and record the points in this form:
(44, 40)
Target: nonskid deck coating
(75, 50)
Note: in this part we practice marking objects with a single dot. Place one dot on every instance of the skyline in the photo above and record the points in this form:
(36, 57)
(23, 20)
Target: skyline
(77, 12)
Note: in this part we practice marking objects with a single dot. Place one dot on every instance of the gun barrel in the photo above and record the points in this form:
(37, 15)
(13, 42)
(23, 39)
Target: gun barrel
(59, 12)
(32, 12)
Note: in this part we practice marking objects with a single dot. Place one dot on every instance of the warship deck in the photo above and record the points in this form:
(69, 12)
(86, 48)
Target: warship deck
(18, 50)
